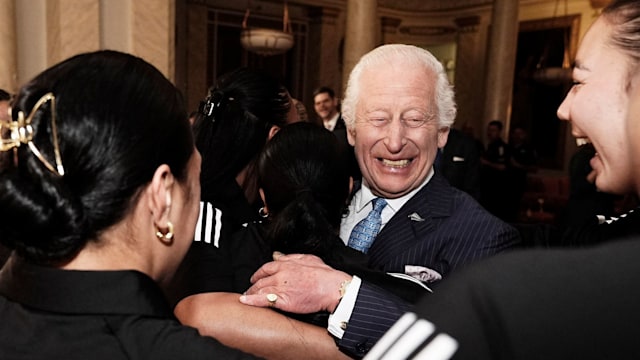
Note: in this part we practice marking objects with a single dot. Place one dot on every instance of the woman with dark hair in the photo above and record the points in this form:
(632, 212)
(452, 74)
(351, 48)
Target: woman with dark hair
(242, 111)
(304, 193)
(305, 188)
(99, 207)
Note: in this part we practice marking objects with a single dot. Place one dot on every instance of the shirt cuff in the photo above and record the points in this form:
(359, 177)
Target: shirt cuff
(340, 318)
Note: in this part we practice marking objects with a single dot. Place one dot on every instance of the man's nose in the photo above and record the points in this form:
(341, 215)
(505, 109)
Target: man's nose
(396, 136)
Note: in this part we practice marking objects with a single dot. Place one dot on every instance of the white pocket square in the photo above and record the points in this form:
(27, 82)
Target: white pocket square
(422, 273)
(415, 217)
(410, 278)
(458, 159)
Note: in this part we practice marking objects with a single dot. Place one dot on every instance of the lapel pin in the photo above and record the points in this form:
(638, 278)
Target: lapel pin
(415, 217)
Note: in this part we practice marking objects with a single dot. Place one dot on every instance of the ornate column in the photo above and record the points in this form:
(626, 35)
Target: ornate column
(8, 69)
(361, 33)
(470, 56)
(197, 75)
(115, 25)
(73, 27)
(153, 33)
(31, 29)
(501, 62)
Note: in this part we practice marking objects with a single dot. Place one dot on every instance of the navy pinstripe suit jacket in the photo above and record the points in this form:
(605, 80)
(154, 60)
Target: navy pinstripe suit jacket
(450, 231)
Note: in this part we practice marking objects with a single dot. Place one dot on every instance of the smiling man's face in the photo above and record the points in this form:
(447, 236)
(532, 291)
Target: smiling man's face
(395, 158)
(326, 107)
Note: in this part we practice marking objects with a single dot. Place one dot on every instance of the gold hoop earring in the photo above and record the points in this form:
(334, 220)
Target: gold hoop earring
(166, 236)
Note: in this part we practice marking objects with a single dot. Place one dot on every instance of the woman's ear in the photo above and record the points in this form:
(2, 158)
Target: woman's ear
(160, 195)
(264, 201)
(274, 129)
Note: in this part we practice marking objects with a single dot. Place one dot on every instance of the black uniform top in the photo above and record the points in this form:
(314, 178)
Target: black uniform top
(536, 304)
(49, 313)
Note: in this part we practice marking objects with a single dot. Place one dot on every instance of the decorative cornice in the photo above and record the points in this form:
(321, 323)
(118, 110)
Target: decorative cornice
(427, 30)
(325, 15)
(425, 6)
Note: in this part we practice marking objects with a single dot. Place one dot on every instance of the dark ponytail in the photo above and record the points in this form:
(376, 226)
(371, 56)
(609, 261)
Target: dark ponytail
(306, 186)
(118, 119)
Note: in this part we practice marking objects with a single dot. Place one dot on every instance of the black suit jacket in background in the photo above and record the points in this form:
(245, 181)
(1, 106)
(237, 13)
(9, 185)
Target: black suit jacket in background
(340, 131)
(459, 163)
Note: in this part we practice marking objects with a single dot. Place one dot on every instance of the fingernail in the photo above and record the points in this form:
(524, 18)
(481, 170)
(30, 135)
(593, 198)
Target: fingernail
(276, 255)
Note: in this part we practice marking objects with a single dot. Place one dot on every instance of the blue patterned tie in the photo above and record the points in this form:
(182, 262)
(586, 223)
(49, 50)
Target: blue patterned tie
(367, 229)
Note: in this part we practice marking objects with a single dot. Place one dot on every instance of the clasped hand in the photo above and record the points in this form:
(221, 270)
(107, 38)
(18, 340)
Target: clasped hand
(302, 283)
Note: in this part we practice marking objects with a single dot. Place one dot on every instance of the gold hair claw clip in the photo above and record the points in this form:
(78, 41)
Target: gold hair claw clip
(15, 133)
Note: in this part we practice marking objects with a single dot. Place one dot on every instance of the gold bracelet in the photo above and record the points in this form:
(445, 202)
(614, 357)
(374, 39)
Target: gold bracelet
(343, 287)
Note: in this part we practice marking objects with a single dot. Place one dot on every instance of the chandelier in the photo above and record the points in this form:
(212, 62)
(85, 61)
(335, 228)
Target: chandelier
(264, 41)
(555, 75)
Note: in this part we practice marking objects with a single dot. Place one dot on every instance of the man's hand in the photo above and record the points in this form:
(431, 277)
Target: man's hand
(296, 283)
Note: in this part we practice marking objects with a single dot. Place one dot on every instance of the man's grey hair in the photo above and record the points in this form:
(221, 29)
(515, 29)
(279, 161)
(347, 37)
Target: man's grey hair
(406, 54)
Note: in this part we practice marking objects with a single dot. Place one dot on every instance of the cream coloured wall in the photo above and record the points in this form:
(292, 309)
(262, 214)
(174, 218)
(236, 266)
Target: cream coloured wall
(8, 74)
(115, 25)
(30, 31)
(153, 33)
(35, 34)
(73, 26)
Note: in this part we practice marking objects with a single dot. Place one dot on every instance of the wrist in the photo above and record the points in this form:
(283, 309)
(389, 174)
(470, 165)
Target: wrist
(343, 287)
(339, 292)
(339, 319)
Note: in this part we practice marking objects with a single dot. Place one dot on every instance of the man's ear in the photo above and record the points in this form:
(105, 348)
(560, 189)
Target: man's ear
(159, 192)
(274, 130)
(351, 135)
(443, 136)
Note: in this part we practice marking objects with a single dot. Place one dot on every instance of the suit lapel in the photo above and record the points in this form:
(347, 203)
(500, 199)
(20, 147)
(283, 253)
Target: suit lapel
(340, 123)
(413, 222)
